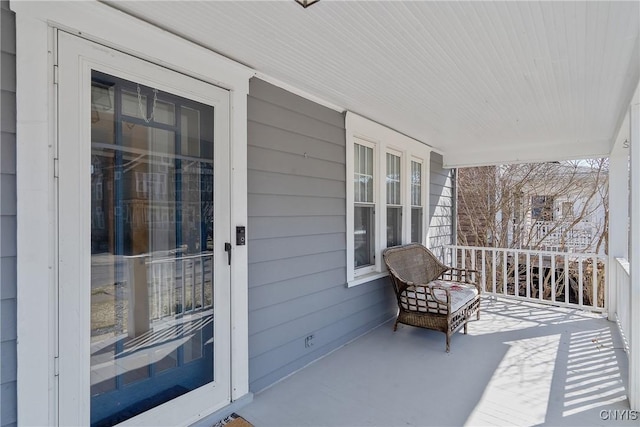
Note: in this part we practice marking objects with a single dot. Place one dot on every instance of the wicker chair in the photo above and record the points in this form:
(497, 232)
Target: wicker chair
(430, 294)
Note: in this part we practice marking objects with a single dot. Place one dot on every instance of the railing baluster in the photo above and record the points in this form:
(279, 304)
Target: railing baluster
(484, 271)
(183, 274)
(553, 278)
(581, 282)
(516, 273)
(473, 263)
(493, 270)
(567, 285)
(202, 281)
(528, 279)
(157, 280)
(594, 293)
(504, 272)
(464, 258)
(193, 285)
(540, 278)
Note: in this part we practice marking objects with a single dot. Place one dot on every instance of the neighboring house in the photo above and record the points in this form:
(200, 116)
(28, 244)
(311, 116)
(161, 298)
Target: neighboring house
(564, 209)
(181, 229)
(557, 206)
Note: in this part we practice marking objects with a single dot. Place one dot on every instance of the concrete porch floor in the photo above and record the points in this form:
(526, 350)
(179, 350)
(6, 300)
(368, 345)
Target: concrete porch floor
(522, 364)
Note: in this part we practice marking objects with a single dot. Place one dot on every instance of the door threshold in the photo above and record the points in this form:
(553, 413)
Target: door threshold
(223, 413)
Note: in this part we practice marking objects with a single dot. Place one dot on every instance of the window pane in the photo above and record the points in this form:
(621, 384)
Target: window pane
(358, 186)
(393, 179)
(567, 210)
(416, 184)
(368, 171)
(363, 225)
(151, 262)
(542, 208)
(416, 225)
(164, 112)
(363, 174)
(132, 105)
(394, 226)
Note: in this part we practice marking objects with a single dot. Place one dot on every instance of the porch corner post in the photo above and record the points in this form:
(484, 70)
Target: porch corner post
(634, 258)
(618, 215)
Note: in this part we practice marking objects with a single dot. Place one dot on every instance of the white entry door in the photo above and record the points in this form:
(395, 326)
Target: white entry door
(143, 225)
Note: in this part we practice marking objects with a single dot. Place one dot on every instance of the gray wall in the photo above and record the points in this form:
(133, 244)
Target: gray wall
(7, 216)
(441, 205)
(297, 239)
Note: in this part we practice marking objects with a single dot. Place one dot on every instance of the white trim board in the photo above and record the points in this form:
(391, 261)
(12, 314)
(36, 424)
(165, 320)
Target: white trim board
(299, 92)
(36, 150)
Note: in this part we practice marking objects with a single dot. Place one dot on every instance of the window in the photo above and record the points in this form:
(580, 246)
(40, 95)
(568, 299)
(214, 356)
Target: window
(394, 201)
(518, 207)
(542, 208)
(385, 204)
(416, 201)
(364, 207)
(567, 210)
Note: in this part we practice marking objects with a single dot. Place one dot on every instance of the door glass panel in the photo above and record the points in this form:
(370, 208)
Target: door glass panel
(152, 231)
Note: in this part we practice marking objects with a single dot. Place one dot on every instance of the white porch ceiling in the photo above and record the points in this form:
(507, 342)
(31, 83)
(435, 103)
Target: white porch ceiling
(484, 82)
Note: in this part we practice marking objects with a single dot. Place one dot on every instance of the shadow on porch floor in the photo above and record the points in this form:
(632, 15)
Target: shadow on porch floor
(522, 364)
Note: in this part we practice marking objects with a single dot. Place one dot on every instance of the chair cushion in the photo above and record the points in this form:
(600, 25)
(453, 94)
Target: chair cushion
(419, 301)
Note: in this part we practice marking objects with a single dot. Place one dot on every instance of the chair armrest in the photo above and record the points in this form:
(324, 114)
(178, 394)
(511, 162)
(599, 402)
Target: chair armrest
(438, 300)
(462, 275)
(446, 303)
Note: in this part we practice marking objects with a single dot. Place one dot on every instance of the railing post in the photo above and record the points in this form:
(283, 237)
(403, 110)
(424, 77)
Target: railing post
(618, 215)
(634, 256)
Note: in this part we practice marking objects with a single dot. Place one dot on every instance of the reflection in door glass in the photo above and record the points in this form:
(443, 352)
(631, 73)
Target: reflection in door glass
(151, 248)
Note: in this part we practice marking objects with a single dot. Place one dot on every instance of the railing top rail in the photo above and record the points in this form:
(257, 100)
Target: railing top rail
(181, 258)
(530, 251)
(157, 260)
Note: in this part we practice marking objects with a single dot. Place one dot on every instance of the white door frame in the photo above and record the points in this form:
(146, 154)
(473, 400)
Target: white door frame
(37, 201)
(77, 59)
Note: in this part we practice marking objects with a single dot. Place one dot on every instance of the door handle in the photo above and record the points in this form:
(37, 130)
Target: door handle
(227, 249)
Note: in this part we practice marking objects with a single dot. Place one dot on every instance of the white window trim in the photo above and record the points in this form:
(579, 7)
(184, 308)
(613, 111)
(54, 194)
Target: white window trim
(36, 149)
(385, 140)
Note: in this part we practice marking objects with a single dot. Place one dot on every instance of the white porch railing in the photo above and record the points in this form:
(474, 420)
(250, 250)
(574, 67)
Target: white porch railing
(179, 285)
(623, 298)
(559, 278)
(164, 286)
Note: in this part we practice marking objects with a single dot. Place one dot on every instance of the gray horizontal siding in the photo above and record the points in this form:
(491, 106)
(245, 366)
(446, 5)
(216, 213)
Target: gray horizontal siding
(297, 237)
(291, 247)
(441, 205)
(8, 363)
(271, 183)
(268, 227)
(356, 318)
(278, 271)
(277, 205)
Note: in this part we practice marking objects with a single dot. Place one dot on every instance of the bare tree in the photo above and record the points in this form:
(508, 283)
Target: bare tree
(559, 206)
(563, 206)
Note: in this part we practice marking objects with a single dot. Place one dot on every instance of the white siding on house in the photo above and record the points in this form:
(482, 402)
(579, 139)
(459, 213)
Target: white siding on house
(296, 237)
(441, 205)
(7, 216)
